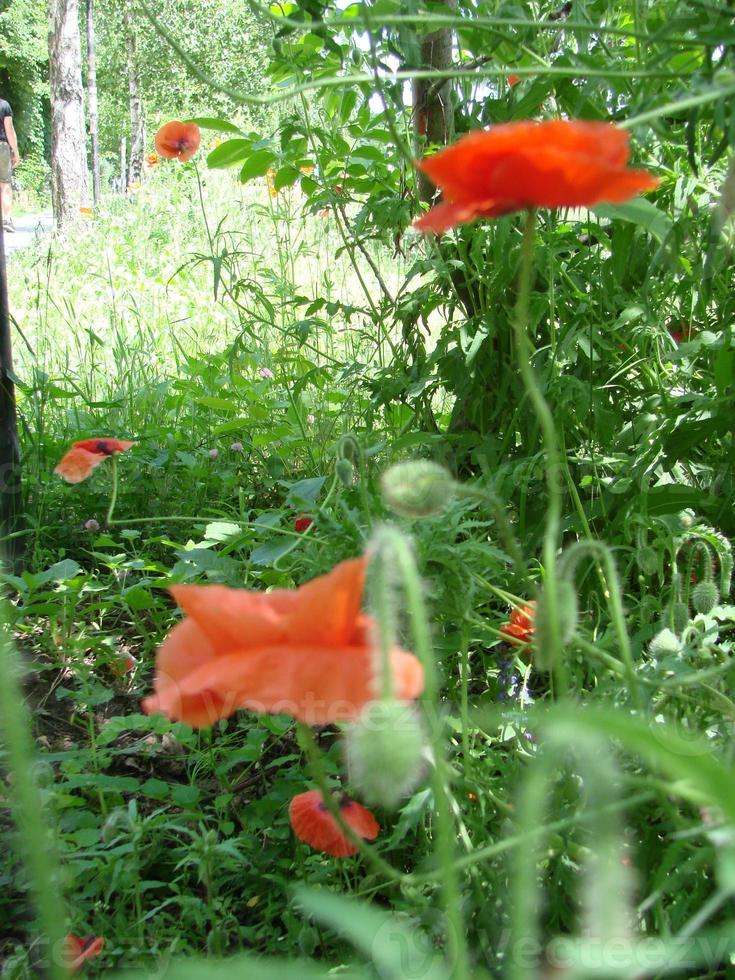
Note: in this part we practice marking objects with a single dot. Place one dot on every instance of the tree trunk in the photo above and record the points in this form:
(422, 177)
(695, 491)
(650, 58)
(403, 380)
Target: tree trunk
(92, 101)
(433, 112)
(11, 500)
(123, 164)
(137, 129)
(68, 136)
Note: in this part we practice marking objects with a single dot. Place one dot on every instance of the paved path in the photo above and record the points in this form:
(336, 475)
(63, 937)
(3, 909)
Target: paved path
(28, 229)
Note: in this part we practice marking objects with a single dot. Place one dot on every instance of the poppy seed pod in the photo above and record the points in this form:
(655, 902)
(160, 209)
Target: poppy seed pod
(384, 749)
(418, 488)
(705, 596)
(664, 643)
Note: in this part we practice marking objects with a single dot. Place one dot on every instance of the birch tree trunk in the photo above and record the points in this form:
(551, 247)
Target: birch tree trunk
(92, 101)
(137, 129)
(433, 112)
(68, 136)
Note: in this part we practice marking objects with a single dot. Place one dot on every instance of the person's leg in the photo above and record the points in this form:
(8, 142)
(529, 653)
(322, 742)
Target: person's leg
(6, 196)
(6, 188)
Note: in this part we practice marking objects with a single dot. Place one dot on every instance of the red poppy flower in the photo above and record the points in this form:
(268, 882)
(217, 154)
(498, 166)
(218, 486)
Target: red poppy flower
(513, 80)
(77, 464)
(314, 824)
(305, 652)
(302, 522)
(520, 165)
(178, 141)
(681, 332)
(520, 628)
(77, 951)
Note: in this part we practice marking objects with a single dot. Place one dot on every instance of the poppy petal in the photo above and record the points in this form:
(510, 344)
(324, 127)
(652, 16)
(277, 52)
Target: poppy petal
(77, 464)
(313, 824)
(178, 141)
(523, 165)
(316, 685)
(104, 446)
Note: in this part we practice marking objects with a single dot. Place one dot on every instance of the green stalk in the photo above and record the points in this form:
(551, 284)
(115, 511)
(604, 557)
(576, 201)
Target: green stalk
(554, 465)
(113, 495)
(445, 835)
(15, 725)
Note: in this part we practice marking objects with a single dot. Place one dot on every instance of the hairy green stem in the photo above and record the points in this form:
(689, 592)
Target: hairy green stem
(554, 464)
(113, 494)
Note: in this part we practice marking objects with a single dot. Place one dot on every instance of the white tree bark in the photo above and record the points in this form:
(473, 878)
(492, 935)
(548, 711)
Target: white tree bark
(69, 183)
(137, 127)
(92, 101)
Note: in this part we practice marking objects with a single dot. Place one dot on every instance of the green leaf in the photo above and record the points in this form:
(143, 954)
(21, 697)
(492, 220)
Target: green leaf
(266, 554)
(62, 571)
(398, 947)
(246, 968)
(229, 153)
(258, 164)
(219, 125)
(212, 401)
(640, 212)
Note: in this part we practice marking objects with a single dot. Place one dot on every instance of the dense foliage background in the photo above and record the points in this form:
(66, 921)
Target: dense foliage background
(258, 316)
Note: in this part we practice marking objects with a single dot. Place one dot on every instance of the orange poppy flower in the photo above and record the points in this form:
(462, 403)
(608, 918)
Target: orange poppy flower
(513, 80)
(314, 824)
(520, 165)
(77, 464)
(520, 628)
(178, 141)
(304, 652)
(77, 951)
(152, 159)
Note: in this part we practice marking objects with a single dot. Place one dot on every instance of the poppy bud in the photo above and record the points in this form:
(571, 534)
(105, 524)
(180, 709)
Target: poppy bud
(345, 471)
(705, 596)
(680, 617)
(664, 643)
(384, 750)
(687, 518)
(567, 614)
(418, 488)
(647, 560)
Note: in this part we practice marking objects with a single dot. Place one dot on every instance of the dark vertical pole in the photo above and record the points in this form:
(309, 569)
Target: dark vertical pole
(10, 488)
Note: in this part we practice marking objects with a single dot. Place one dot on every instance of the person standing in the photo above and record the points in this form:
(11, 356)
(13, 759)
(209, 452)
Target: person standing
(8, 159)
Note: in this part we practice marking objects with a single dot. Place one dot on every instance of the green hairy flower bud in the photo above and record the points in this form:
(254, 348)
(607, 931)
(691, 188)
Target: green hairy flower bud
(345, 472)
(687, 518)
(664, 643)
(384, 750)
(418, 488)
(680, 616)
(647, 560)
(705, 596)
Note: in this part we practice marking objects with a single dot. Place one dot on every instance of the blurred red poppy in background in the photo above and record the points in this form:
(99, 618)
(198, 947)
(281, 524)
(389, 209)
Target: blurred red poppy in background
(77, 951)
(77, 464)
(178, 141)
(513, 80)
(520, 628)
(314, 824)
(521, 165)
(302, 522)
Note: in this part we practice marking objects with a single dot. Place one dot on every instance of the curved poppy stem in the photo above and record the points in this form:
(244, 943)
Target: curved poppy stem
(443, 803)
(113, 495)
(554, 463)
(313, 754)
